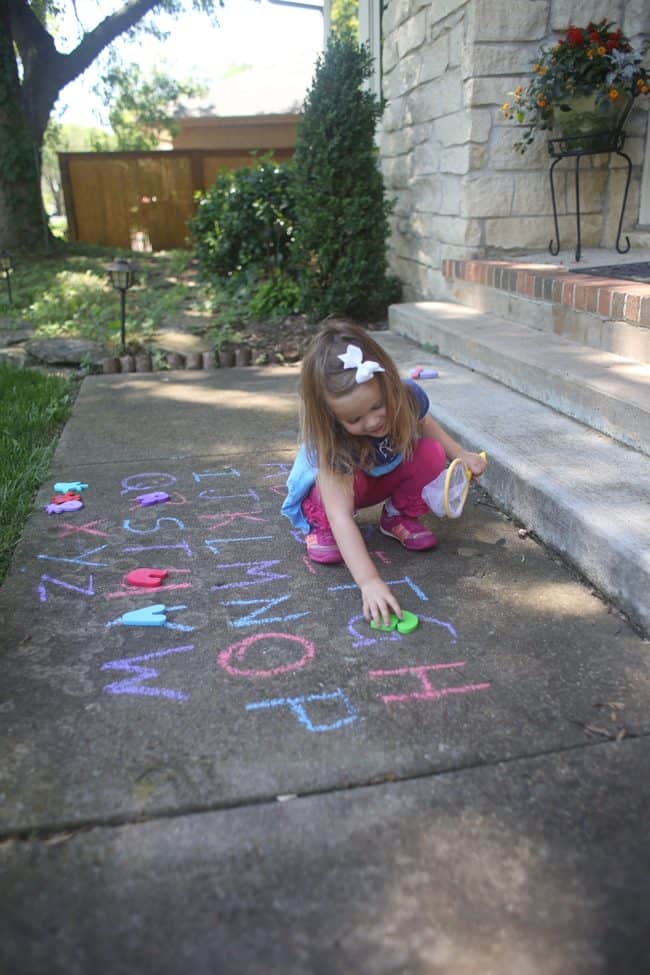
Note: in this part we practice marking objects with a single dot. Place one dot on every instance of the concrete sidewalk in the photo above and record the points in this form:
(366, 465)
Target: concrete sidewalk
(265, 785)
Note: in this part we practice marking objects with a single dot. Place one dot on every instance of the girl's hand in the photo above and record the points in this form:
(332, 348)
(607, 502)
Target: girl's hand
(378, 601)
(476, 464)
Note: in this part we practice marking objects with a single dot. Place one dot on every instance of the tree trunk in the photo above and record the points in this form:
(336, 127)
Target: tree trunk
(25, 109)
(22, 219)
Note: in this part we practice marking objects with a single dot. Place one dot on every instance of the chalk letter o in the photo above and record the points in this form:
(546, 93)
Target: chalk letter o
(239, 650)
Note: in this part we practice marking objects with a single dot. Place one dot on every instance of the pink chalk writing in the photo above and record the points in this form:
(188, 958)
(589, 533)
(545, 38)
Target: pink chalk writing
(134, 591)
(227, 518)
(381, 556)
(66, 529)
(238, 651)
(429, 693)
(307, 561)
(280, 469)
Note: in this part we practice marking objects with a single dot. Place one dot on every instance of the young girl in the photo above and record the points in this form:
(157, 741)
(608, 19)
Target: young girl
(367, 437)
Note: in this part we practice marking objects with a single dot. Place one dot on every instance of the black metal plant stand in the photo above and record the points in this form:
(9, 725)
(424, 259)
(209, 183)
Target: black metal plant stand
(576, 147)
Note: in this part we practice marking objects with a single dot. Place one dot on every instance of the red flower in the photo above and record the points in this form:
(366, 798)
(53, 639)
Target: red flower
(575, 37)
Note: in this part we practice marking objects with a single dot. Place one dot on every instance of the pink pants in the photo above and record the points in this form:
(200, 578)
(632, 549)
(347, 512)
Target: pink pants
(403, 485)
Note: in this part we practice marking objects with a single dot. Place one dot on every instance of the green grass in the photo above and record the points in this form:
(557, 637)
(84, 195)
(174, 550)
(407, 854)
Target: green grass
(33, 409)
(68, 293)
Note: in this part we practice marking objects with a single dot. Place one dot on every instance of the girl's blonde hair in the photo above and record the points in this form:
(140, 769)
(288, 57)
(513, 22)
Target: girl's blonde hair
(323, 374)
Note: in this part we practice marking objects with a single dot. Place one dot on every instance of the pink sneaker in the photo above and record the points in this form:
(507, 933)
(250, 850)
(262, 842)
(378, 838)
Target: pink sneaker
(321, 547)
(408, 531)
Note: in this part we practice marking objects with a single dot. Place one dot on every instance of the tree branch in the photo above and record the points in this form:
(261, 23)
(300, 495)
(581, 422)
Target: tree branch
(93, 43)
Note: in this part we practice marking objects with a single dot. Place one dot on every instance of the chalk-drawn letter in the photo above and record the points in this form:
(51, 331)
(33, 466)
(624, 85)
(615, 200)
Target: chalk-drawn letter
(159, 548)
(238, 651)
(254, 618)
(42, 591)
(214, 543)
(226, 472)
(429, 693)
(298, 706)
(134, 685)
(128, 527)
(146, 482)
(256, 569)
(80, 559)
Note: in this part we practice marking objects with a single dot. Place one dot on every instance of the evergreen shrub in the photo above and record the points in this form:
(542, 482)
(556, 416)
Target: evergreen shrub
(245, 221)
(341, 210)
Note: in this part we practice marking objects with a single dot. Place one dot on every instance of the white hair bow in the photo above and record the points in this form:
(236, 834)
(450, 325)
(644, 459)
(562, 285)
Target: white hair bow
(353, 359)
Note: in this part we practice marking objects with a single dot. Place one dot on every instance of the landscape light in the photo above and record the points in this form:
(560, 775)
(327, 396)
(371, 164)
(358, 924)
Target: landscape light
(7, 266)
(122, 275)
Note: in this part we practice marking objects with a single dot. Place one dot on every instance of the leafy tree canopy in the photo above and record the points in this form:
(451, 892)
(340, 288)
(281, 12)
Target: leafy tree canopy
(33, 73)
(141, 107)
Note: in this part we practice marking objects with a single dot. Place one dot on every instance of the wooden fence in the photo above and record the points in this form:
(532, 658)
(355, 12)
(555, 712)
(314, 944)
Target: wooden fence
(141, 200)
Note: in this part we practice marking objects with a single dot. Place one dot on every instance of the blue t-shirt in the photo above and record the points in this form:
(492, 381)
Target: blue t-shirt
(303, 473)
(386, 458)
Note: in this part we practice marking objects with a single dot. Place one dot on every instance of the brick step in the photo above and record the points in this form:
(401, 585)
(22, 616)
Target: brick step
(606, 392)
(580, 492)
(594, 310)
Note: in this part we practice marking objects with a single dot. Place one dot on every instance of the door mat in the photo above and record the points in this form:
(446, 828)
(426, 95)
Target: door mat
(621, 272)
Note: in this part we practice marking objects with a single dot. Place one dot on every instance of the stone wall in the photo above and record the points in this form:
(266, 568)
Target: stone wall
(460, 189)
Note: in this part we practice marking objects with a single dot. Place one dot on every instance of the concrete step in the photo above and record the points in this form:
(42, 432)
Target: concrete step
(575, 324)
(593, 308)
(607, 392)
(582, 493)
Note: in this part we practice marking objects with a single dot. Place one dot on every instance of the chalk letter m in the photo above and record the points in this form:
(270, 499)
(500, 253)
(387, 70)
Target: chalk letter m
(134, 685)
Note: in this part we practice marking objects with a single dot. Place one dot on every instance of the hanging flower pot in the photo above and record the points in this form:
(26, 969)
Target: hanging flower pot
(582, 86)
(588, 121)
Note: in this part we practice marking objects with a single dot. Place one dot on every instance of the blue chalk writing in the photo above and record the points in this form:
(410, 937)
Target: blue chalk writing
(214, 543)
(254, 618)
(297, 705)
(252, 569)
(80, 559)
(392, 582)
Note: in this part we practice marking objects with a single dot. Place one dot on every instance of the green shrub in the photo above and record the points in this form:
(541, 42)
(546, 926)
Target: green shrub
(341, 210)
(245, 220)
(275, 296)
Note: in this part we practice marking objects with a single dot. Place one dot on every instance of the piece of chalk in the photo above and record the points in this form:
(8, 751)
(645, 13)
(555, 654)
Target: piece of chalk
(415, 372)
(428, 374)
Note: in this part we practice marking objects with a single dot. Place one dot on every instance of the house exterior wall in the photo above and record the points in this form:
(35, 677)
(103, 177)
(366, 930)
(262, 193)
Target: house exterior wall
(460, 189)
